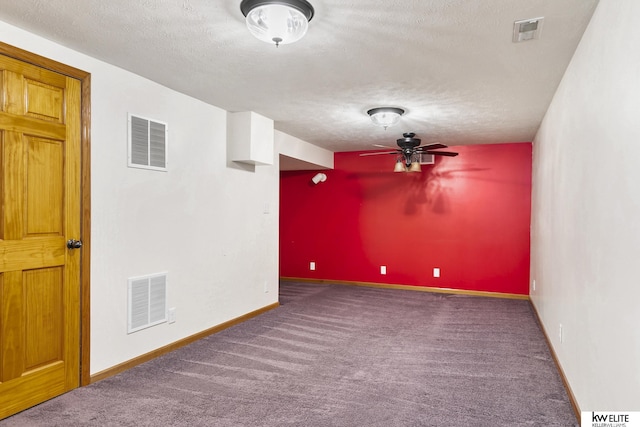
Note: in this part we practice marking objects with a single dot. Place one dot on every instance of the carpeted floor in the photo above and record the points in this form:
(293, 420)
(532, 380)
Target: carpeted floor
(340, 356)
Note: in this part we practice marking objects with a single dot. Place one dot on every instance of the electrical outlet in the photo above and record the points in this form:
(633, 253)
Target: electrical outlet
(383, 269)
(436, 272)
(312, 265)
(172, 315)
(533, 284)
(561, 334)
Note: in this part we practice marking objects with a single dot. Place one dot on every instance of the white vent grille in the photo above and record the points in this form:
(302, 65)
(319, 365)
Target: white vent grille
(147, 301)
(147, 143)
(426, 159)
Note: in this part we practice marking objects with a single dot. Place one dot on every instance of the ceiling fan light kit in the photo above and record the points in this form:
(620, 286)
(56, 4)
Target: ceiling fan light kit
(415, 167)
(385, 116)
(277, 21)
(410, 152)
(400, 167)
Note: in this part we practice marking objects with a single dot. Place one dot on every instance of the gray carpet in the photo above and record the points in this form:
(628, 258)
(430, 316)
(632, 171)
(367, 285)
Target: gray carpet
(340, 356)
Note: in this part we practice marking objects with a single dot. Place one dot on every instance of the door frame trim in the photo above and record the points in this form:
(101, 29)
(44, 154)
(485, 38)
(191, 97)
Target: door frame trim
(85, 191)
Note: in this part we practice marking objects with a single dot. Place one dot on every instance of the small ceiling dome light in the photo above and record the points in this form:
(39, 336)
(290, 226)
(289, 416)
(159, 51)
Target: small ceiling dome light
(385, 116)
(277, 21)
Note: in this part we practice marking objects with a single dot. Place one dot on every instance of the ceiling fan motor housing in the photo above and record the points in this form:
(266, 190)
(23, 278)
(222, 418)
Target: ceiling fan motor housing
(408, 145)
(408, 142)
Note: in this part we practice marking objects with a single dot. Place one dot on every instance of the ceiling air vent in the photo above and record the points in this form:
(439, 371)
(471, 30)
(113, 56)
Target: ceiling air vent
(527, 29)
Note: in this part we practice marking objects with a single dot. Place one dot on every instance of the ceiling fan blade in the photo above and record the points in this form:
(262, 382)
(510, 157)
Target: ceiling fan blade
(442, 153)
(380, 152)
(385, 146)
(431, 147)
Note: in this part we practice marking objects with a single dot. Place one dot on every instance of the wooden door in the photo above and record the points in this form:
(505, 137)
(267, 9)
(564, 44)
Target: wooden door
(39, 212)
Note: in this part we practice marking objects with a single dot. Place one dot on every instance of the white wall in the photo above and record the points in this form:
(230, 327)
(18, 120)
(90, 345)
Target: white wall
(204, 221)
(586, 213)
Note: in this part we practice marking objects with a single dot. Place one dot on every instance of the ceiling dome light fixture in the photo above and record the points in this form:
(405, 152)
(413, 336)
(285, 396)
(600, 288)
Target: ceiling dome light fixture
(277, 21)
(385, 116)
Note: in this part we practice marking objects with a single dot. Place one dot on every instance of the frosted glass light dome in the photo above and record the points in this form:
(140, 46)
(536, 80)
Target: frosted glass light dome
(385, 116)
(279, 22)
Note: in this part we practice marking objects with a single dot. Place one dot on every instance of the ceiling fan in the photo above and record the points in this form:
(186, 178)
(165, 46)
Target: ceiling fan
(409, 152)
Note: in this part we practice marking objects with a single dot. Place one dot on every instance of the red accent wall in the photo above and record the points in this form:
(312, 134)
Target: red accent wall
(467, 215)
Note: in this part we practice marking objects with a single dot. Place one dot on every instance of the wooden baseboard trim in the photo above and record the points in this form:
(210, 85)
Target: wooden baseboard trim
(410, 288)
(175, 345)
(572, 397)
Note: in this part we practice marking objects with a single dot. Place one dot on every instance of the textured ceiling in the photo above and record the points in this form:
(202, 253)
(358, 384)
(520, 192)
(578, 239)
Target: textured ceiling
(450, 63)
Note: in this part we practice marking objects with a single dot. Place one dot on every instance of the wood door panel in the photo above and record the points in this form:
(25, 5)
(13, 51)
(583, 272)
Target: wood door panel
(32, 91)
(39, 212)
(44, 309)
(13, 92)
(44, 186)
(44, 102)
(12, 364)
(12, 187)
(22, 393)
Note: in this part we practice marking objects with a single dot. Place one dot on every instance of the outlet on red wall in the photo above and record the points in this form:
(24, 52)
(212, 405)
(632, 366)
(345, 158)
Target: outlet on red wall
(468, 215)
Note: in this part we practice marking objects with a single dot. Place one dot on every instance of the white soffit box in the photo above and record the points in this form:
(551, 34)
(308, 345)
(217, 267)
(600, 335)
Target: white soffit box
(250, 138)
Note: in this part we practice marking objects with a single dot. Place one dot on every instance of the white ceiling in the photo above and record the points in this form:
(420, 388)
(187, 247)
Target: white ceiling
(450, 63)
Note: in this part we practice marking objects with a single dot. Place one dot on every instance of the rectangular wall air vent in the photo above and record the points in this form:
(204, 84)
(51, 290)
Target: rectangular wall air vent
(426, 159)
(527, 29)
(147, 143)
(147, 301)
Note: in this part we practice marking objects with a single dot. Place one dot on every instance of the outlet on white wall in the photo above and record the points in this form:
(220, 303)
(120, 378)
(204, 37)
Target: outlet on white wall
(561, 334)
(172, 315)
(533, 284)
